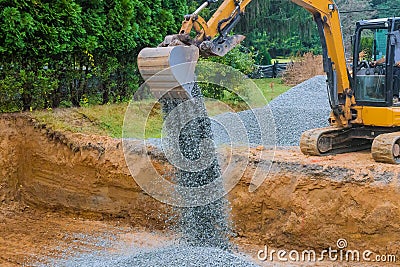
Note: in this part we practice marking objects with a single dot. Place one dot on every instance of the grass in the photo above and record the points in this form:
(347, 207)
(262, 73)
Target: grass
(93, 120)
(271, 87)
(141, 122)
(143, 119)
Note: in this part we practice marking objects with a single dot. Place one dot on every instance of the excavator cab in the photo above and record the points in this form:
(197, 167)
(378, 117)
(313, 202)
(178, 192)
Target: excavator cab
(375, 82)
(372, 97)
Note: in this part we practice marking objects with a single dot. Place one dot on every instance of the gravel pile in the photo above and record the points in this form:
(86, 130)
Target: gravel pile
(254, 127)
(187, 256)
(173, 256)
(303, 107)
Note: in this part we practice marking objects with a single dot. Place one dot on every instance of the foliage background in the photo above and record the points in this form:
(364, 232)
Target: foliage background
(77, 52)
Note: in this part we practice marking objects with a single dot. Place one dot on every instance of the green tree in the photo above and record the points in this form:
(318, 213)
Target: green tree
(238, 58)
(278, 26)
(64, 51)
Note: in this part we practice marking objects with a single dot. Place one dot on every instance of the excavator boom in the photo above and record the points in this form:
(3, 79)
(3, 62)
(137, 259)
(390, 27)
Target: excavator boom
(353, 125)
(212, 39)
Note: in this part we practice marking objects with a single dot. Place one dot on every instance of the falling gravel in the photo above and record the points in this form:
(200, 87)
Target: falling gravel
(204, 230)
(187, 138)
(303, 107)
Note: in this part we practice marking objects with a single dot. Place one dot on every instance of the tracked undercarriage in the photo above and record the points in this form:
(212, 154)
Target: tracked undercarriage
(385, 147)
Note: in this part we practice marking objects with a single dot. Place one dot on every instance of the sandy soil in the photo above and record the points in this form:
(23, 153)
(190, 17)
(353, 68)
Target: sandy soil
(29, 235)
(32, 237)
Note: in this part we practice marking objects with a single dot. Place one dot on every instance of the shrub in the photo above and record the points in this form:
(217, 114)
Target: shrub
(306, 67)
(240, 60)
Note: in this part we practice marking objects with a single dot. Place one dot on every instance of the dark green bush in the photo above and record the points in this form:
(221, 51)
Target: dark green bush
(57, 53)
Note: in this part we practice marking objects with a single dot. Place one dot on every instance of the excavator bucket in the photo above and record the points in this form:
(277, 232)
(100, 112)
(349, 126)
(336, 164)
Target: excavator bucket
(169, 71)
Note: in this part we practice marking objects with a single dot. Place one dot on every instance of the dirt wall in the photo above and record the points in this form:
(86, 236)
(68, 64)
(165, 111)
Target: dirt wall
(10, 155)
(71, 172)
(311, 202)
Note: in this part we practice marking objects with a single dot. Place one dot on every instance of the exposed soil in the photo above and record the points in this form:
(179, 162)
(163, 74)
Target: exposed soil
(54, 184)
(33, 236)
(71, 172)
(29, 235)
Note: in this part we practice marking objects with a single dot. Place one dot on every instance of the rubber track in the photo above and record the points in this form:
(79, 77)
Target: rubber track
(382, 148)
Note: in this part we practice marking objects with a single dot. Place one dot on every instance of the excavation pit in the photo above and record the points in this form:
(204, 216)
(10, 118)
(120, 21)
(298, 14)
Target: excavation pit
(59, 190)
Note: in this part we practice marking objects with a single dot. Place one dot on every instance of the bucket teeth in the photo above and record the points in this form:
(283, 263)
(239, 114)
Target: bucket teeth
(169, 71)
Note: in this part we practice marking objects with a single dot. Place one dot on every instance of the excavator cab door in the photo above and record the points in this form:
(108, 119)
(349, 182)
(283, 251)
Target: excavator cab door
(376, 84)
(370, 84)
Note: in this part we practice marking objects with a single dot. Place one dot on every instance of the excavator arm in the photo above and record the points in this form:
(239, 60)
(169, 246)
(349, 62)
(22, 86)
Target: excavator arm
(341, 98)
(212, 39)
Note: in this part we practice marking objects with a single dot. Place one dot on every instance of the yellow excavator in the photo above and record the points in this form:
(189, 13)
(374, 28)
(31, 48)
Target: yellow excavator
(364, 100)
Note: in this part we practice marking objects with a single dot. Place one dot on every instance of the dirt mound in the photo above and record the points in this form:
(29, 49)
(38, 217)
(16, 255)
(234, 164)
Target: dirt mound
(307, 67)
